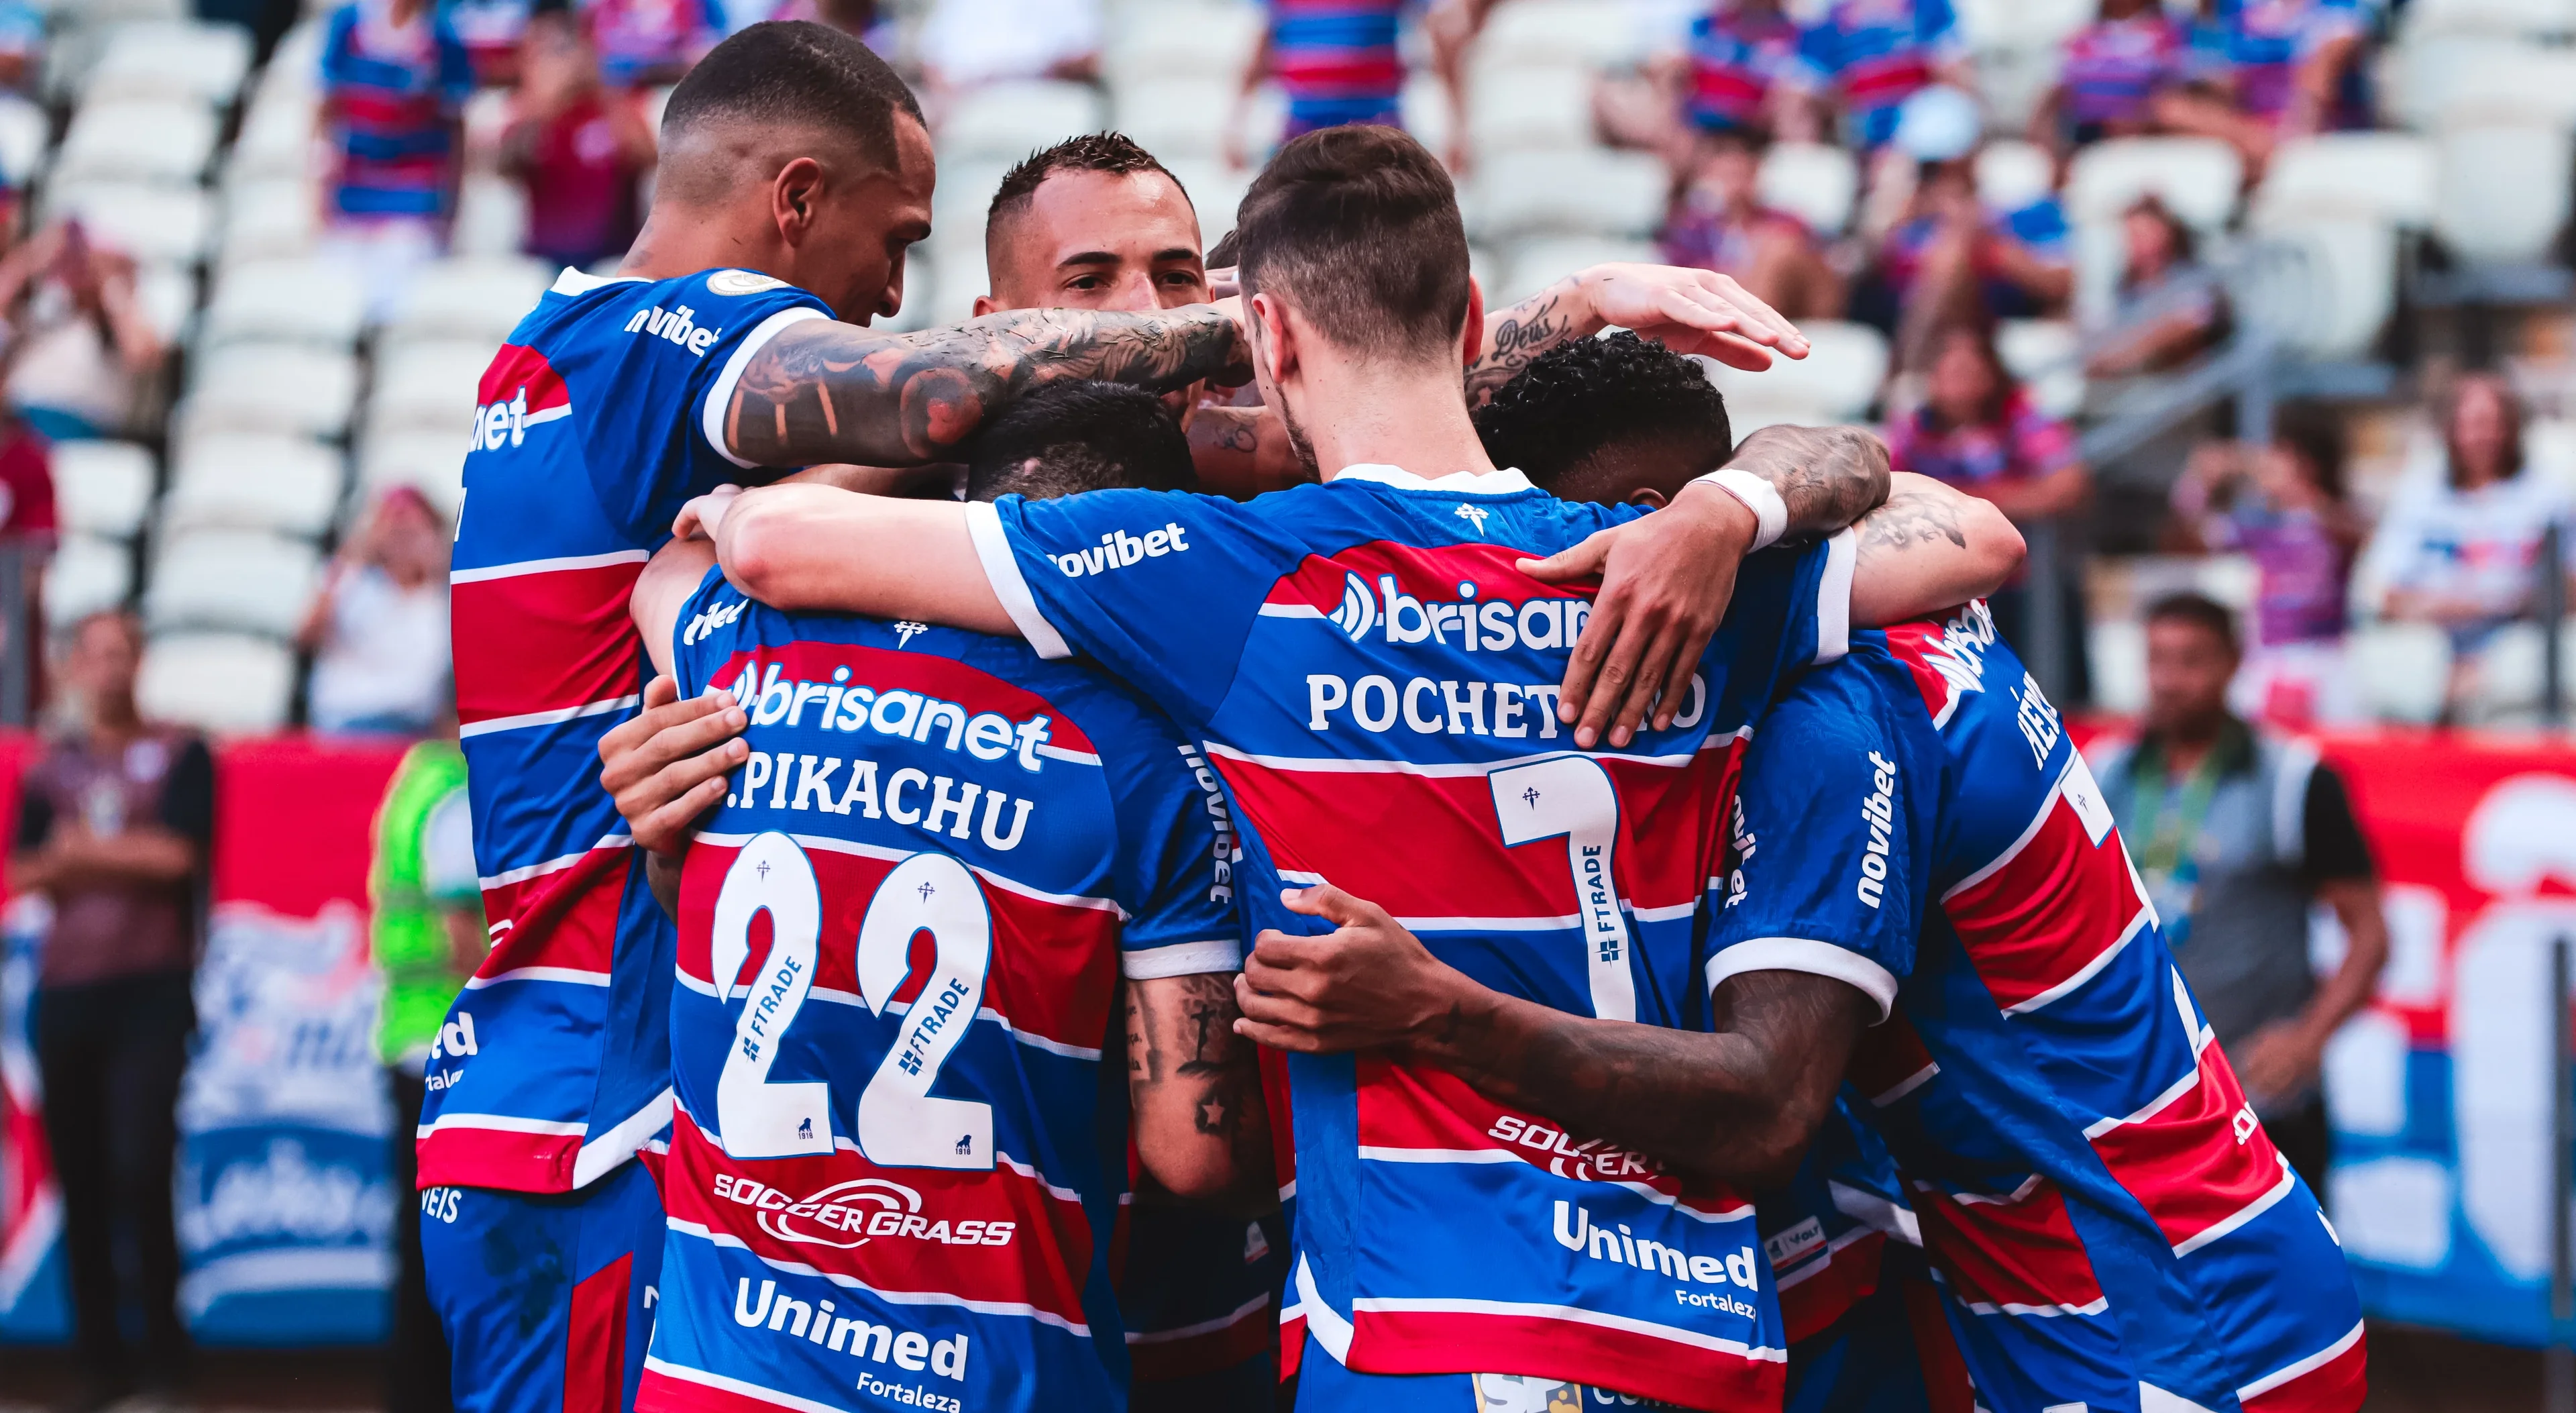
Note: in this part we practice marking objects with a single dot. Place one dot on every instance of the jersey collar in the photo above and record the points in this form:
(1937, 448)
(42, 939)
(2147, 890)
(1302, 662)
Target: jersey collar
(1457, 483)
(576, 282)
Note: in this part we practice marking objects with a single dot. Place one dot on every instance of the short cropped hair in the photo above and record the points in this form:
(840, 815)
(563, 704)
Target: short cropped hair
(1587, 396)
(1071, 437)
(1112, 152)
(1358, 228)
(2200, 611)
(796, 72)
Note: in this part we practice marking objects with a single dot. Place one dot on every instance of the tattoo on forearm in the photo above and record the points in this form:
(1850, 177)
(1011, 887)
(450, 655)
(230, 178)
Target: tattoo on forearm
(824, 391)
(1189, 1040)
(1909, 519)
(1528, 329)
(1234, 429)
(1828, 476)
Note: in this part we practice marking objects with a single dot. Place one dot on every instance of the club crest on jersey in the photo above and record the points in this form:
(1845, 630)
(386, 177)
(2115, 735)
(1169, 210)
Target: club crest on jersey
(741, 282)
(1474, 515)
(905, 632)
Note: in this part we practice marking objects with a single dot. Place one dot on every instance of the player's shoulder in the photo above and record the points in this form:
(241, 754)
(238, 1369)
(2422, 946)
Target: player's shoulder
(692, 312)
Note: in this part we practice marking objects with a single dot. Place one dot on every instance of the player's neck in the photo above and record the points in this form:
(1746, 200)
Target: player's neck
(1372, 415)
(679, 241)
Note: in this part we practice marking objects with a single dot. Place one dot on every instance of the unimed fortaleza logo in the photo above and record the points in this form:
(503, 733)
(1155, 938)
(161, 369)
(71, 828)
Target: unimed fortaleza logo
(1118, 549)
(1576, 1231)
(820, 1322)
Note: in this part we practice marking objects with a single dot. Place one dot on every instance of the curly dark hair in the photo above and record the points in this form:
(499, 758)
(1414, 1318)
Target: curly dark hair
(1582, 398)
(1071, 437)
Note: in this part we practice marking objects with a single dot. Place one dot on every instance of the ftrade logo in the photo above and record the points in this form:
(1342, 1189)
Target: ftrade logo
(848, 1215)
(1118, 549)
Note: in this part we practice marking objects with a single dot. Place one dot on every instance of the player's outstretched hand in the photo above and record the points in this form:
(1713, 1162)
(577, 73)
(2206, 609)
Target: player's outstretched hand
(1366, 984)
(1665, 580)
(667, 765)
(1691, 311)
(702, 517)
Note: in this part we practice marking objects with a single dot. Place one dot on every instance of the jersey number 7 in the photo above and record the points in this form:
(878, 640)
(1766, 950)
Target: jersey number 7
(899, 1124)
(1571, 798)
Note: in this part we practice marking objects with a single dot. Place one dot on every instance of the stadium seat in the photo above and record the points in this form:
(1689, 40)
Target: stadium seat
(427, 386)
(167, 294)
(491, 217)
(300, 301)
(1180, 41)
(1533, 265)
(1812, 181)
(1836, 382)
(433, 462)
(25, 134)
(103, 488)
(2116, 648)
(290, 485)
(1541, 107)
(2012, 174)
(168, 140)
(478, 299)
(2384, 176)
(268, 218)
(2403, 669)
(1582, 191)
(2042, 355)
(2510, 84)
(287, 389)
(2196, 177)
(1427, 114)
(2512, 674)
(1175, 117)
(276, 138)
(2502, 192)
(86, 575)
(148, 221)
(1557, 32)
(243, 580)
(2533, 18)
(1011, 120)
(2342, 290)
(206, 62)
(228, 682)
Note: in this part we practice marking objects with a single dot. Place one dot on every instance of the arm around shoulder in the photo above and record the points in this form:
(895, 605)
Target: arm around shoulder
(818, 547)
(1930, 547)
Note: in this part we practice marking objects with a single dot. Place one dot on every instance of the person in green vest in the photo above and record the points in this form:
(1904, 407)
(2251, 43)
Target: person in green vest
(428, 937)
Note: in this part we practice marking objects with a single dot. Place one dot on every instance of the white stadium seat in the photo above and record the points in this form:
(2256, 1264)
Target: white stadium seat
(957, 276)
(206, 62)
(2502, 192)
(2195, 177)
(2041, 354)
(2117, 651)
(269, 218)
(303, 301)
(103, 488)
(277, 137)
(1427, 114)
(235, 579)
(965, 194)
(137, 140)
(2385, 176)
(491, 216)
(1533, 265)
(290, 485)
(1812, 181)
(2012, 174)
(217, 681)
(167, 295)
(1584, 191)
(428, 387)
(86, 575)
(25, 133)
(2427, 18)
(432, 462)
(1014, 119)
(2403, 669)
(281, 388)
(149, 221)
(1180, 41)
(1556, 32)
(2345, 289)
(1836, 382)
(480, 299)
(1529, 107)
(1175, 117)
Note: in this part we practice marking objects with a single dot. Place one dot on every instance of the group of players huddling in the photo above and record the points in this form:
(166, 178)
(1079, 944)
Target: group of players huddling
(1650, 946)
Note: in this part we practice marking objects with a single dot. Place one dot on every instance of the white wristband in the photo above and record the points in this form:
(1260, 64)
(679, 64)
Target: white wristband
(1770, 513)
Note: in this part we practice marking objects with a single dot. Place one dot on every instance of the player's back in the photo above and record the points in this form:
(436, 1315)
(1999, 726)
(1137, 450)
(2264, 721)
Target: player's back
(1375, 680)
(589, 435)
(895, 1156)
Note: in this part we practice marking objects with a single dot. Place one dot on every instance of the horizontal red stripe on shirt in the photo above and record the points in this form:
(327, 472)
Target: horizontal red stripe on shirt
(551, 640)
(1443, 1342)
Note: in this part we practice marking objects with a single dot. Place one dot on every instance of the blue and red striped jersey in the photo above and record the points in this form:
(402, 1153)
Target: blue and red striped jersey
(2112, 1224)
(597, 421)
(397, 93)
(1877, 54)
(2113, 69)
(1337, 59)
(1736, 57)
(895, 1157)
(1375, 681)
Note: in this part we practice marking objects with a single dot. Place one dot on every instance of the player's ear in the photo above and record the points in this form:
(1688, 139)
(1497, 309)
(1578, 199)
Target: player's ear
(1648, 497)
(984, 305)
(1274, 344)
(1472, 338)
(795, 195)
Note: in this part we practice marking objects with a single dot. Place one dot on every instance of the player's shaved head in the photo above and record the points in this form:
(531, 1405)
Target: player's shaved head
(1357, 229)
(776, 91)
(1071, 437)
(1607, 419)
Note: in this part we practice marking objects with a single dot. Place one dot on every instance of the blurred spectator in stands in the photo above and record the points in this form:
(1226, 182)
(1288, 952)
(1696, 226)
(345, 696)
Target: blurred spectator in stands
(2238, 834)
(1950, 258)
(1738, 72)
(2263, 70)
(1719, 223)
(2170, 307)
(2109, 76)
(647, 43)
(395, 77)
(579, 148)
(1337, 61)
(22, 51)
(427, 934)
(1869, 56)
(29, 528)
(965, 43)
(2463, 551)
(857, 18)
(84, 351)
(2283, 506)
(115, 820)
(378, 629)
(267, 20)
(492, 30)
(1977, 430)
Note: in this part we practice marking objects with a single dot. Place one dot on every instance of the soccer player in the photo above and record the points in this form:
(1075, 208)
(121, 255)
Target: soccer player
(1372, 665)
(795, 172)
(908, 1189)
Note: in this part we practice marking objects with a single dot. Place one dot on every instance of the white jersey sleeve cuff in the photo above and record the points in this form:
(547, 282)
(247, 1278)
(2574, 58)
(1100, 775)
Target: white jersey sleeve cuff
(711, 413)
(1180, 959)
(1833, 596)
(1815, 958)
(1002, 568)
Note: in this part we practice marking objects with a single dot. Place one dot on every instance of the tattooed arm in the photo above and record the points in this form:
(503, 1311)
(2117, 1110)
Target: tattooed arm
(1930, 547)
(1201, 1126)
(1691, 311)
(1739, 1104)
(824, 391)
(1241, 452)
